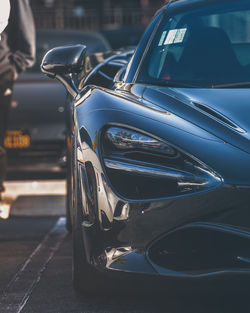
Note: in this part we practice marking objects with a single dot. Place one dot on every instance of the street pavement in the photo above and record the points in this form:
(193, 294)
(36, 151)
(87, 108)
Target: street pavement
(35, 273)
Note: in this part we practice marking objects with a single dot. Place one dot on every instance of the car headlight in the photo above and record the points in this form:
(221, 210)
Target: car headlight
(126, 139)
(142, 167)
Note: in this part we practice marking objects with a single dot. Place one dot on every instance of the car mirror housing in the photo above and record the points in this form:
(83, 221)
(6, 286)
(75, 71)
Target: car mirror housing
(67, 64)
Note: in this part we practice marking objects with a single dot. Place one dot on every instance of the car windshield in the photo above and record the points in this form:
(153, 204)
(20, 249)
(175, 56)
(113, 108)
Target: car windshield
(204, 46)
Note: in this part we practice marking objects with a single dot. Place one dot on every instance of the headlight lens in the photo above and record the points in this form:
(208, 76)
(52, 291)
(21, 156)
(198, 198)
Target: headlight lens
(142, 167)
(126, 139)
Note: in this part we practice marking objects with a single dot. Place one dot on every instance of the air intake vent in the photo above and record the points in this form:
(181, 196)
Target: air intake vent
(202, 248)
(218, 116)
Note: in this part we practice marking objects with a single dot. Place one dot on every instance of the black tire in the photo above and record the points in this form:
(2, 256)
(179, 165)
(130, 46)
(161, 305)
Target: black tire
(69, 201)
(86, 278)
(68, 215)
(69, 187)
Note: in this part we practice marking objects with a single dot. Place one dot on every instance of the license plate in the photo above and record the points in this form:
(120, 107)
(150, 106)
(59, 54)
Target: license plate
(16, 139)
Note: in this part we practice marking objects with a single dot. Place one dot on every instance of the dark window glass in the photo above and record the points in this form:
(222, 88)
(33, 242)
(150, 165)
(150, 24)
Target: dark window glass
(208, 46)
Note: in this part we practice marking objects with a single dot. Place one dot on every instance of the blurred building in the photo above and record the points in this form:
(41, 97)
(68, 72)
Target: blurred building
(93, 14)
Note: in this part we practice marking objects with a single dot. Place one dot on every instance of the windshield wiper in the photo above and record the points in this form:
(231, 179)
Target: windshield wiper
(233, 85)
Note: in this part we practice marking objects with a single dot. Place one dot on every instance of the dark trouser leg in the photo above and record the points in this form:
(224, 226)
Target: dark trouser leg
(3, 166)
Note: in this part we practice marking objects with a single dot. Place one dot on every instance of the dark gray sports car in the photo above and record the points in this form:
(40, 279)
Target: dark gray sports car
(36, 140)
(159, 179)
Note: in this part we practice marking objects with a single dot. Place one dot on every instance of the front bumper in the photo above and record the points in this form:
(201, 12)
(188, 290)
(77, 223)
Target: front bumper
(177, 236)
(193, 236)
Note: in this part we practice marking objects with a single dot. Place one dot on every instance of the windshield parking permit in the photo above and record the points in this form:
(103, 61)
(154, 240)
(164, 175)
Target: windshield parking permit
(175, 36)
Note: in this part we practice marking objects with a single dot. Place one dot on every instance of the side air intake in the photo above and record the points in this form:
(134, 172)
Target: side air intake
(218, 116)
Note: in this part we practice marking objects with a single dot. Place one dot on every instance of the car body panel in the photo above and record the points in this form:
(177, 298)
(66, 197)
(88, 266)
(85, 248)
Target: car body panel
(222, 103)
(228, 204)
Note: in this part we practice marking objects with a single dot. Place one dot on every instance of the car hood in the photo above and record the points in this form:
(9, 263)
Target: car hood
(224, 113)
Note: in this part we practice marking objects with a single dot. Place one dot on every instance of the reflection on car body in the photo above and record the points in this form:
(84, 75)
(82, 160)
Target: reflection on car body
(159, 179)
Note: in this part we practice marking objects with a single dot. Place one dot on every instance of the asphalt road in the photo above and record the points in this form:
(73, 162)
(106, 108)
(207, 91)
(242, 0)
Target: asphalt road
(35, 277)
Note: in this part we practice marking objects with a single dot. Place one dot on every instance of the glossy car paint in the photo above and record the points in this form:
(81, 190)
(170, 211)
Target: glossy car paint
(148, 220)
(202, 234)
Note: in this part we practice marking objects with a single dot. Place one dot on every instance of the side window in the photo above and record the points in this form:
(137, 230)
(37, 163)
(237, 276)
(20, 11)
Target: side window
(104, 75)
(119, 77)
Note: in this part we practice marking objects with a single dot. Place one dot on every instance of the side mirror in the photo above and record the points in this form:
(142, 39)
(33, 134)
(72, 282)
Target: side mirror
(67, 64)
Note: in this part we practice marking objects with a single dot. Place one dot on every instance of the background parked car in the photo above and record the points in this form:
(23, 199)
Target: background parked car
(123, 37)
(36, 137)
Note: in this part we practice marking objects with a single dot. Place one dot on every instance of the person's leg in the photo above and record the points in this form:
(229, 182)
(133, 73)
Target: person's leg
(3, 166)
